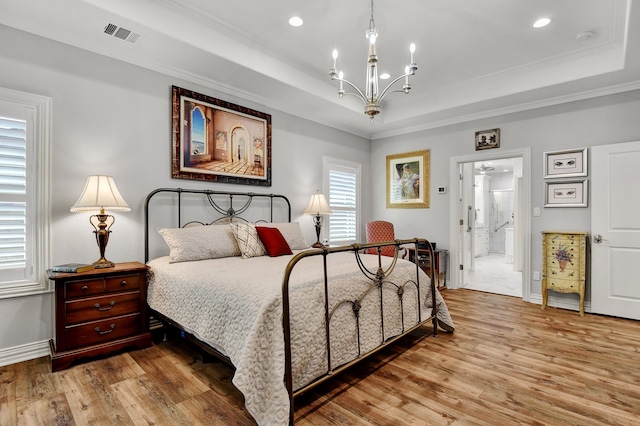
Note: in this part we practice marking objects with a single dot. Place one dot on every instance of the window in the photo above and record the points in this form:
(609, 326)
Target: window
(342, 179)
(24, 193)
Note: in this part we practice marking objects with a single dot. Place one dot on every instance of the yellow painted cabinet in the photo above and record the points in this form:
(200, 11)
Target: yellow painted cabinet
(564, 259)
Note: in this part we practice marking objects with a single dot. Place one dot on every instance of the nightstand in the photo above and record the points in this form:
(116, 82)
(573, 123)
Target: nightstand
(98, 312)
(440, 263)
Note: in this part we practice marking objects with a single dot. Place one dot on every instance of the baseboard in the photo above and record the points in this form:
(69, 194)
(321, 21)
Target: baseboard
(24, 352)
(561, 303)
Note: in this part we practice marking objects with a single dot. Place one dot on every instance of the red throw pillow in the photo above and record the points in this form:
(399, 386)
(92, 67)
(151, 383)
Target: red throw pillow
(273, 241)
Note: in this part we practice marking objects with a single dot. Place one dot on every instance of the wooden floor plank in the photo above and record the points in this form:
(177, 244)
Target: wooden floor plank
(508, 362)
(90, 397)
(8, 406)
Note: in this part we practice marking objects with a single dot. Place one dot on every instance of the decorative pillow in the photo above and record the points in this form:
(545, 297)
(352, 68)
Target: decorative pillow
(273, 241)
(248, 240)
(200, 242)
(291, 232)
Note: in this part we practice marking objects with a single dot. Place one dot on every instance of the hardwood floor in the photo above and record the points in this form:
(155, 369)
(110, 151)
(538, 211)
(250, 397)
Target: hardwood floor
(508, 362)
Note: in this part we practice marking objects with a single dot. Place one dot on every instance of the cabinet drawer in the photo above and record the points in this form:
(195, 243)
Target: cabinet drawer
(571, 250)
(99, 331)
(555, 264)
(563, 286)
(79, 288)
(124, 282)
(96, 308)
(566, 239)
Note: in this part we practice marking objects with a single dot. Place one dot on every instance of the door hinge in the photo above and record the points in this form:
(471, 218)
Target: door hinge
(461, 222)
(462, 267)
(461, 176)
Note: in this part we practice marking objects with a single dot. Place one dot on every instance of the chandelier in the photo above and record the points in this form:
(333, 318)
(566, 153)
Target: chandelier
(371, 96)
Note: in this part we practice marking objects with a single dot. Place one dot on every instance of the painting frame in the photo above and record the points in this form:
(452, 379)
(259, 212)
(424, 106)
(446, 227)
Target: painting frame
(408, 180)
(218, 141)
(570, 193)
(565, 163)
(487, 139)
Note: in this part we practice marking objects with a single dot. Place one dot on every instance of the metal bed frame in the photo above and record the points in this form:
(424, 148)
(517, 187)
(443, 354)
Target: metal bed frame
(378, 280)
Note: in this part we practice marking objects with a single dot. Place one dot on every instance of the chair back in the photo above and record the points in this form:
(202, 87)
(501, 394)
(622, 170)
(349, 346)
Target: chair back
(379, 231)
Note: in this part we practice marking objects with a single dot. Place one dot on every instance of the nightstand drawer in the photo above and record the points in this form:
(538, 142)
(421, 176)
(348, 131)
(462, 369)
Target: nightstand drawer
(79, 288)
(96, 308)
(100, 331)
(124, 282)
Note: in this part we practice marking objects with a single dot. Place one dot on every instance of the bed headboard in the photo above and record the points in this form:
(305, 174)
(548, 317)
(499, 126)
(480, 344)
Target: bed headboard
(178, 207)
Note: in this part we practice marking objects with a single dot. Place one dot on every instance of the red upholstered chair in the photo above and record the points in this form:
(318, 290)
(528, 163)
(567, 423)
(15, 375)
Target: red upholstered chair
(380, 231)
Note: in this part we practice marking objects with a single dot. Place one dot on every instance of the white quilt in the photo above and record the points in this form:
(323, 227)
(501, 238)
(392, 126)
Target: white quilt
(235, 305)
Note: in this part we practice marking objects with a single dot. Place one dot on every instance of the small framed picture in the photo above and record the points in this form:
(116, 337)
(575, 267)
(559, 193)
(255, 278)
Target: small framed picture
(487, 139)
(570, 163)
(566, 193)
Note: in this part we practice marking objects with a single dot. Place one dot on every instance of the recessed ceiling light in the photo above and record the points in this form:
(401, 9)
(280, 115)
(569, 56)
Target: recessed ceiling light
(542, 22)
(385, 76)
(296, 21)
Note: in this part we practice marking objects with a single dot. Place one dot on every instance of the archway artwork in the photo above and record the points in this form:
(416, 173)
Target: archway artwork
(219, 141)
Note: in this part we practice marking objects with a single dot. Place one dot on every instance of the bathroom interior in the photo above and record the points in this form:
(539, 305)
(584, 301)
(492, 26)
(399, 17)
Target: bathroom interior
(497, 260)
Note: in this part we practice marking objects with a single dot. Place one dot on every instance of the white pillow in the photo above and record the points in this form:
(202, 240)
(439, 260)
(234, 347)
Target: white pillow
(200, 242)
(291, 232)
(248, 240)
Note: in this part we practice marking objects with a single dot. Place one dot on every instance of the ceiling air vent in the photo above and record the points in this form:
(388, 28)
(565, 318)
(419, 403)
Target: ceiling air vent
(121, 33)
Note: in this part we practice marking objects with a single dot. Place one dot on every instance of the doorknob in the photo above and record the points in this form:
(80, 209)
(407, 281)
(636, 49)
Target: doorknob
(598, 239)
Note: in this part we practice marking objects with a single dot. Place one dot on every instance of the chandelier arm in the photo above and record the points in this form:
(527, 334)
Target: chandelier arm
(400, 91)
(359, 92)
(384, 92)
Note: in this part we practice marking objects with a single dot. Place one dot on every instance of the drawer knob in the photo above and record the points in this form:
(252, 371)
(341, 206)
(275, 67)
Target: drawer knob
(123, 283)
(111, 327)
(105, 308)
(85, 288)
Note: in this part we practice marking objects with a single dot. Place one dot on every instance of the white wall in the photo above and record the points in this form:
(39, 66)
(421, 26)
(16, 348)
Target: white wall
(599, 121)
(113, 118)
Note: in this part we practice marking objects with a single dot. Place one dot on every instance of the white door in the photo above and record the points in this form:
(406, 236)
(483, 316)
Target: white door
(615, 227)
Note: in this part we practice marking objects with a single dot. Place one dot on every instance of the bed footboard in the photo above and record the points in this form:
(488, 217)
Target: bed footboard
(378, 279)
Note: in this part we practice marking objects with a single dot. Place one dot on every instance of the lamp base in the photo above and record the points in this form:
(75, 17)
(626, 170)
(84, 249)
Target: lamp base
(317, 244)
(103, 263)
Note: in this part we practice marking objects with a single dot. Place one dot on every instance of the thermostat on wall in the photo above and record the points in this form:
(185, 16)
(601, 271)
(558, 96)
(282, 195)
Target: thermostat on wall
(442, 190)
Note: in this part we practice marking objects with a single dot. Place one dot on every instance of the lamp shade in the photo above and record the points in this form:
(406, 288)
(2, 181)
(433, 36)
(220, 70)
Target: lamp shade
(100, 192)
(318, 205)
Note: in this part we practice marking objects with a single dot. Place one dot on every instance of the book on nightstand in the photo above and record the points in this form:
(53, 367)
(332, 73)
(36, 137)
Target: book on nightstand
(73, 267)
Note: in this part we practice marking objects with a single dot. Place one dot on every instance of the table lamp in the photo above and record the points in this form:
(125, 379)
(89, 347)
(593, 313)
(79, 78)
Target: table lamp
(100, 194)
(318, 206)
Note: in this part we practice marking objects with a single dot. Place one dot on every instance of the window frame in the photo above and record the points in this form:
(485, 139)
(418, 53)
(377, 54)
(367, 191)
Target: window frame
(331, 163)
(38, 112)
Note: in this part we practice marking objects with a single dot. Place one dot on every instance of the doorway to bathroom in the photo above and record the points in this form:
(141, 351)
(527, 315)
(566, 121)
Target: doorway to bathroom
(490, 235)
(495, 267)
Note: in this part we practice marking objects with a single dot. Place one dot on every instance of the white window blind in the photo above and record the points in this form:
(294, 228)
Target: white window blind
(13, 201)
(343, 188)
(25, 135)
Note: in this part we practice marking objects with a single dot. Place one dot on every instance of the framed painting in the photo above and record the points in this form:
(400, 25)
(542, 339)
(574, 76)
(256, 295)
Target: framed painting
(215, 140)
(408, 180)
(487, 139)
(566, 194)
(570, 163)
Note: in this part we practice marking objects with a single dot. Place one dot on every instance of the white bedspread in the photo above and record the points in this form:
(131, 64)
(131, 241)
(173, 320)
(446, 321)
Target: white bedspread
(235, 305)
